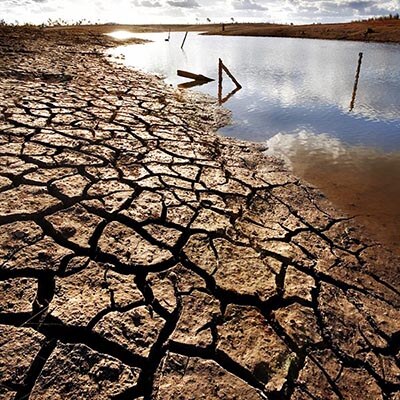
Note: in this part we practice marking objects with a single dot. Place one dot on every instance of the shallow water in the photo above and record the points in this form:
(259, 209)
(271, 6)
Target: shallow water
(296, 97)
(362, 181)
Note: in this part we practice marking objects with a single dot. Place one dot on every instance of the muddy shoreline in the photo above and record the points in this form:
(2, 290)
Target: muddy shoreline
(145, 257)
(385, 31)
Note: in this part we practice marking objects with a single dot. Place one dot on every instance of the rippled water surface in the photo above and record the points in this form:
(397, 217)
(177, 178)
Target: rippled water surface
(289, 84)
(296, 96)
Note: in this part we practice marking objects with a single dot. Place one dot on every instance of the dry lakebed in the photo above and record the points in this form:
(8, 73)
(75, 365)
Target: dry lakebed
(143, 256)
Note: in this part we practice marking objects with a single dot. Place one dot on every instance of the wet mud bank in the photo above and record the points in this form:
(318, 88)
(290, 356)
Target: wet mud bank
(145, 257)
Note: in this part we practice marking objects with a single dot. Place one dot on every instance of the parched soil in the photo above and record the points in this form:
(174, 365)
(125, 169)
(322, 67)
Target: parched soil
(142, 256)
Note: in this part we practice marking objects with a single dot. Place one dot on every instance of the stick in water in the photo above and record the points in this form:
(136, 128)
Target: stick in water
(184, 39)
(353, 98)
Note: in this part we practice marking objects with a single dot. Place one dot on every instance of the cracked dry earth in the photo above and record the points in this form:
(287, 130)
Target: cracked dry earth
(145, 257)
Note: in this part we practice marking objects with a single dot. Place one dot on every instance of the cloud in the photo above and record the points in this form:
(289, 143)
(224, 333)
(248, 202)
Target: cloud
(337, 11)
(150, 4)
(184, 3)
(382, 9)
(186, 11)
(247, 5)
(360, 5)
(147, 3)
(16, 3)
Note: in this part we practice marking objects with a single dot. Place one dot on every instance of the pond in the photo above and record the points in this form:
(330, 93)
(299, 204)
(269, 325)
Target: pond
(296, 97)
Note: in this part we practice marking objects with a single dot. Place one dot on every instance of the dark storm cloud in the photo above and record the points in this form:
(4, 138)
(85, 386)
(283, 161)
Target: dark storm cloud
(247, 5)
(184, 4)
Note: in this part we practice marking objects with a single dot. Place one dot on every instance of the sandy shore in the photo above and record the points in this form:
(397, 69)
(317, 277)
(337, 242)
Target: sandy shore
(368, 31)
(145, 257)
(386, 31)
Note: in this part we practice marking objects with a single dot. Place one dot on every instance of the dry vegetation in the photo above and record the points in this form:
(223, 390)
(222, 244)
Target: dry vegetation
(379, 29)
(376, 31)
(386, 30)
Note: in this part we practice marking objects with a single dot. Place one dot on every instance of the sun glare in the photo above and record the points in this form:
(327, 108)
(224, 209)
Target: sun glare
(121, 35)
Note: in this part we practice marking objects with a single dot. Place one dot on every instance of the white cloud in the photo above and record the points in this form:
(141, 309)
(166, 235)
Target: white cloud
(247, 5)
(147, 3)
(181, 11)
(184, 3)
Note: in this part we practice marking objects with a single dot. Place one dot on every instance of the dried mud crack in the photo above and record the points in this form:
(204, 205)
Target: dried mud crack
(142, 256)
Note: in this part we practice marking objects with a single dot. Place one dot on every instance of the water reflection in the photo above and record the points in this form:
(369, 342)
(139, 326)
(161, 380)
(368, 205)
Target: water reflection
(223, 100)
(192, 84)
(362, 181)
(122, 35)
(288, 84)
(221, 69)
(295, 97)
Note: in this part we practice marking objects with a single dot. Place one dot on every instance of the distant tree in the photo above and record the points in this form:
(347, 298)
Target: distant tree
(380, 18)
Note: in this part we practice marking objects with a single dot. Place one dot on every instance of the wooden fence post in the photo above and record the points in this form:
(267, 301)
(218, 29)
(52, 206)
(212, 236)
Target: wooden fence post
(191, 75)
(184, 39)
(221, 69)
(353, 97)
(220, 81)
(223, 66)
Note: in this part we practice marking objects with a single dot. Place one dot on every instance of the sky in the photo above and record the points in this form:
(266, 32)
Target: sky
(194, 11)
